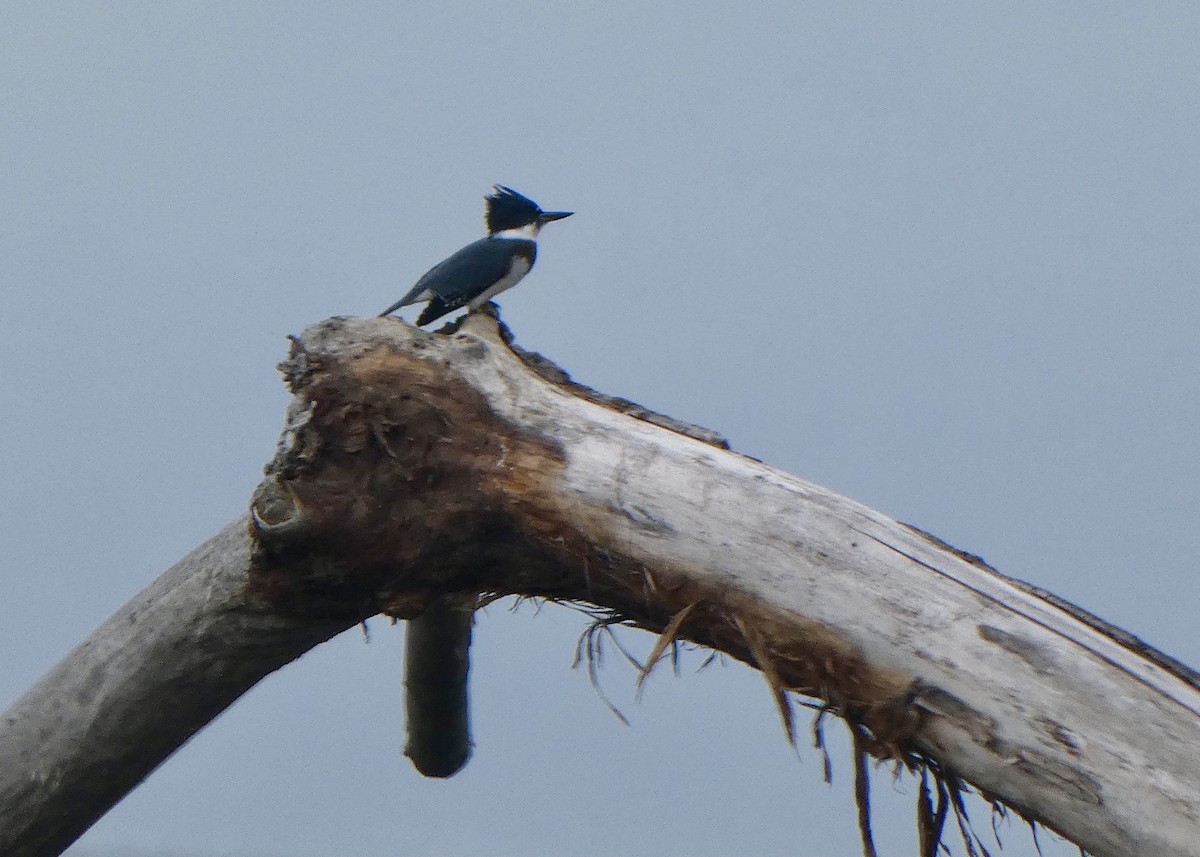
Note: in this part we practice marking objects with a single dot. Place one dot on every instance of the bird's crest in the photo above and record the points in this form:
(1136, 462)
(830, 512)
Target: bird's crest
(507, 209)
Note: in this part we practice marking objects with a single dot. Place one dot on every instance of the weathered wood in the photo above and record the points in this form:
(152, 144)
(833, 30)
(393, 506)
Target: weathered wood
(415, 466)
(525, 487)
(436, 708)
(168, 662)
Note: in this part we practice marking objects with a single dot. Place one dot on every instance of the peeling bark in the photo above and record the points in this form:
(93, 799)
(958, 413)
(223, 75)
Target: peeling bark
(417, 467)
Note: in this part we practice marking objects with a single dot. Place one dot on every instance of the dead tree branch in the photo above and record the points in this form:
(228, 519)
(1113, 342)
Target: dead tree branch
(133, 692)
(417, 466)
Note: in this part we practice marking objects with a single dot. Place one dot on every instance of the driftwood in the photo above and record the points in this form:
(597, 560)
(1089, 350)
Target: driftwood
(419, 470)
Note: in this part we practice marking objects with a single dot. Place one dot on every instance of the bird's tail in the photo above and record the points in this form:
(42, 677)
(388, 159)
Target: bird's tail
(435, 309)
(393, 308)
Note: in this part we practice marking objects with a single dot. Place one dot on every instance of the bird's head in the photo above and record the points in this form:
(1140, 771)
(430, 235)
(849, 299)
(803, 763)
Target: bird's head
(512, 215)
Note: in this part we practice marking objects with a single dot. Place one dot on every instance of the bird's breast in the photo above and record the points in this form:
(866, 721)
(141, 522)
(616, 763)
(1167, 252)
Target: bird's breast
(517, 269)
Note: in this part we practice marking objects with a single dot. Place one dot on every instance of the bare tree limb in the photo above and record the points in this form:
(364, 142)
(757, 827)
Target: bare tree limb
(128, 696)
(418, 466)
(437, 713)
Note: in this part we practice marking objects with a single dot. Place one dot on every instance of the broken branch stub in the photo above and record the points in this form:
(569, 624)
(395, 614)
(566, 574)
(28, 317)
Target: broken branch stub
(416, 465)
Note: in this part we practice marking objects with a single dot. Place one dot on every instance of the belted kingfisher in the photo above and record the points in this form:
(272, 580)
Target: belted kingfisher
(485, 268)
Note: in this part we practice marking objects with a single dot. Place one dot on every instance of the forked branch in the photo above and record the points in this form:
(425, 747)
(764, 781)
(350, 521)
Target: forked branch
(416, 466)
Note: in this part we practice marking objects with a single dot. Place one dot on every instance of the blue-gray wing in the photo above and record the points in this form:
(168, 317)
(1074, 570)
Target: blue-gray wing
(468, 273)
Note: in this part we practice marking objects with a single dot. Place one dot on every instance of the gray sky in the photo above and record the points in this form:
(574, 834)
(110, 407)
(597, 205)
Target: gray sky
(942, 261)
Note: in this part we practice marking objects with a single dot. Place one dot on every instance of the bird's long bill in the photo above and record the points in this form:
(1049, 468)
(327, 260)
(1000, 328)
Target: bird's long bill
(550, 216)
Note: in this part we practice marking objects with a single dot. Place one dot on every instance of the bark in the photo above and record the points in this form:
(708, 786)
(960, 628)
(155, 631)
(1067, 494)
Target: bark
(419, 467)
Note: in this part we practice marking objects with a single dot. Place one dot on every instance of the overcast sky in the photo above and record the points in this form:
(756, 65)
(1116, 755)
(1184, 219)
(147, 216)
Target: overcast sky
(942, 261)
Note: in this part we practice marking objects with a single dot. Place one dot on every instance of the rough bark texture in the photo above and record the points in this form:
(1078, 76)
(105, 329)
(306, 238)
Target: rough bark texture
(416, 467)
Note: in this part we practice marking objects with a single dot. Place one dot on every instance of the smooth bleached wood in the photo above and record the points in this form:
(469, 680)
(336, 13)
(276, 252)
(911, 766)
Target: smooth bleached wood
(168, 662)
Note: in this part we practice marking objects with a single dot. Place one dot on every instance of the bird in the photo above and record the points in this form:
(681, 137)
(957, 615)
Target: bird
(485, 268)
